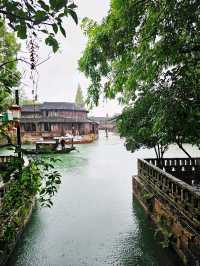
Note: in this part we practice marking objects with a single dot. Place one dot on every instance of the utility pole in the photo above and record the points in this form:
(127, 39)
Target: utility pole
(18, 127)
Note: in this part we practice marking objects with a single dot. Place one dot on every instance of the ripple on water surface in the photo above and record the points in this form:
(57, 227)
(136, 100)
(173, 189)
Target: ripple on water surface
(94, 220)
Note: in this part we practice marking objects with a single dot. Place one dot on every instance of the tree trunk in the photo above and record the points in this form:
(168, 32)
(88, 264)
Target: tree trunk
(181, 147)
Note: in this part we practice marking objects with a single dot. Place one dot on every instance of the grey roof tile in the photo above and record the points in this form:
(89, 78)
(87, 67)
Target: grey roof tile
(52, 106)
(31, 108)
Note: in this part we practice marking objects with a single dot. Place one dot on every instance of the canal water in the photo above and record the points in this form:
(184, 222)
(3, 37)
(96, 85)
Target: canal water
(94, 220)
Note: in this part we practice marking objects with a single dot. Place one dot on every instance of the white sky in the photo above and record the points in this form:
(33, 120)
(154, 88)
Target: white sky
(59, 76)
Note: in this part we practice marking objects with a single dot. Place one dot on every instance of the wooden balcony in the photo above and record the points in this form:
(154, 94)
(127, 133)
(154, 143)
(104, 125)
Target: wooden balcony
(55, 119)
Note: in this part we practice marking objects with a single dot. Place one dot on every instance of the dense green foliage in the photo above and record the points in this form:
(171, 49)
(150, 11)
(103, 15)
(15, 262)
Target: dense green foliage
(38, 177)
(137, 125)
(149, 47)
(9, 76)
(34, 17)
(30, 20)
(79, 99)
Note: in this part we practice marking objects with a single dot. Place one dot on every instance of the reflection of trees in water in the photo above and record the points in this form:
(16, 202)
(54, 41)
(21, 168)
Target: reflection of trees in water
(139, 247)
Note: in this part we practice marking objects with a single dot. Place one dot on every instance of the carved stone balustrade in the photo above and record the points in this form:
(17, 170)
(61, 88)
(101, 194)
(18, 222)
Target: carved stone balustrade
(185, 169)
(182, 196)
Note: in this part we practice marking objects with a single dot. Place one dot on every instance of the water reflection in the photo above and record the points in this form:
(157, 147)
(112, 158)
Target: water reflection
(94, 220)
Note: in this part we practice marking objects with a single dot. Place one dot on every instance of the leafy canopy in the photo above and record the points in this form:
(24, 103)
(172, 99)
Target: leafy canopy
(148, 47)
(9, 75)
(137, 125)
(141, 45)
(32, 17)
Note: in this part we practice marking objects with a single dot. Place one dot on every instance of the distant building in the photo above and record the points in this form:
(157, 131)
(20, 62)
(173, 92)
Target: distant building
(105, 122)
(52, 119)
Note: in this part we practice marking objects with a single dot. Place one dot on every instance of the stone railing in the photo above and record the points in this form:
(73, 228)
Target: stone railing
(183, 197)
(185, 169)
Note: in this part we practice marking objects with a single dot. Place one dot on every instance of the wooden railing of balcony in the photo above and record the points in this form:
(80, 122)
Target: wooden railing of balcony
(54, 119)
(183, 197)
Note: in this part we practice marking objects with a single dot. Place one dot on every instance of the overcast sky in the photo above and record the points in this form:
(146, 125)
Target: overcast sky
(59, 76)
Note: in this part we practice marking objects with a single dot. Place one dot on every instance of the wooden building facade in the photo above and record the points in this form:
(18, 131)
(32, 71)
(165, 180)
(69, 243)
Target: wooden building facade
(55, 119)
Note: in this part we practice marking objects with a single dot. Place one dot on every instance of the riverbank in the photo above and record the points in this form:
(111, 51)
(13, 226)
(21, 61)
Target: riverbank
(9, 237)
(20, 185)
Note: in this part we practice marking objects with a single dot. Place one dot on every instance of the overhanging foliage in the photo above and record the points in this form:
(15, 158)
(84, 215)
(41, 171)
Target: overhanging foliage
(149, 47)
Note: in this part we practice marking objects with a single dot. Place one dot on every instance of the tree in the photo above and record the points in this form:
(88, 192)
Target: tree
(138, 43)
(33, 17)
(149, 47)
(136, 124)
(79, 99)
(9, 75)
(31, 20)
(176, 117)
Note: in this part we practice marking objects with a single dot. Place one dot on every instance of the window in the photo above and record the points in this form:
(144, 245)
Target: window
(47, 127)
(30, 127)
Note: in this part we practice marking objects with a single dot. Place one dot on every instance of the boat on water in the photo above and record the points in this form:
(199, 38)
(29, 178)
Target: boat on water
(70, 139)
(49, 147)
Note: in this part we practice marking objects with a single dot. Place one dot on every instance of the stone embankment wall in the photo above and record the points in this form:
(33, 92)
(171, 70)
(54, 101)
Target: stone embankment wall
(172, 204)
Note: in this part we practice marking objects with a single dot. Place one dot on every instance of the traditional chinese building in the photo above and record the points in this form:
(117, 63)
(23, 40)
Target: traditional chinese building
(55, 119)
(108, 123)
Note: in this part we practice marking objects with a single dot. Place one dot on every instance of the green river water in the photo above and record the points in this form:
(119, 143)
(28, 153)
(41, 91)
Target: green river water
(94, 220)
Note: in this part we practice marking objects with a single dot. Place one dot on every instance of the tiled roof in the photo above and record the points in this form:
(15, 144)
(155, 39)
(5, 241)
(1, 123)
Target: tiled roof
(31, 108)
(59, 106)
(52, 106)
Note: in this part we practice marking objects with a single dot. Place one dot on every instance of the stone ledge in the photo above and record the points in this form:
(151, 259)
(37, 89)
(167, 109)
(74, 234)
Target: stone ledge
(185, 239)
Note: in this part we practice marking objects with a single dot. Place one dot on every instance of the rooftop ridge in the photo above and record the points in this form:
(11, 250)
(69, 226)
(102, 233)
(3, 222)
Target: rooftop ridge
(52, 106)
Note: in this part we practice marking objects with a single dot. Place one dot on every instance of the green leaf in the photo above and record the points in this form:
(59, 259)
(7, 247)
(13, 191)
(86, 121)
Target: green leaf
(43, 5)
(40, 16)
(51, 41)
(62, 30)
(21, 31)
(55, 27)
(73, 15)
(72, 6)
(58, 4)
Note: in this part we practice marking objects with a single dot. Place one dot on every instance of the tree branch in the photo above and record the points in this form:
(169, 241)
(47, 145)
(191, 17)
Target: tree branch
(8, 62)
(181, 147)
